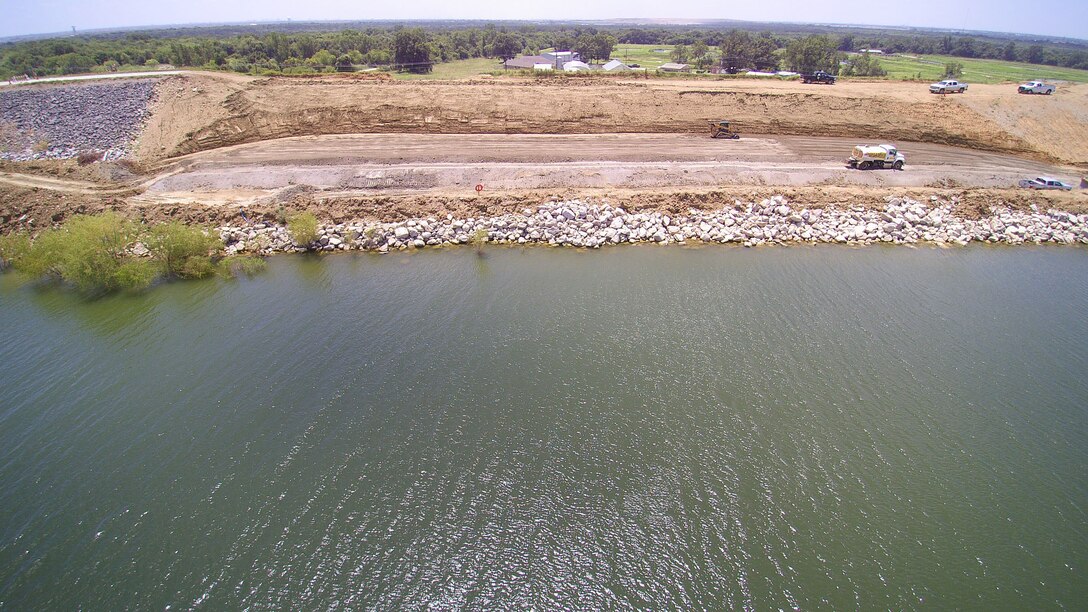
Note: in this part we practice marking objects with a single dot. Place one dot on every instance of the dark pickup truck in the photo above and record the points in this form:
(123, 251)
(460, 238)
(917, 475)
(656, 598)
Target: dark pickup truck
(818, 77)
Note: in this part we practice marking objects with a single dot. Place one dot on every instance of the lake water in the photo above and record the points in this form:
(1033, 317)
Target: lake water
(635, 427)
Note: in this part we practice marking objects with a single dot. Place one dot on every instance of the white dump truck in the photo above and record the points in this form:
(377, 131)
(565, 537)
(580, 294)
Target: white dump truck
(865, 157)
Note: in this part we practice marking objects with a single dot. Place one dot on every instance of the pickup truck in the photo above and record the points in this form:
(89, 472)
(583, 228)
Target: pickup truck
(818, 77)
(1035, 87)
(1045, 182)
(948, 86)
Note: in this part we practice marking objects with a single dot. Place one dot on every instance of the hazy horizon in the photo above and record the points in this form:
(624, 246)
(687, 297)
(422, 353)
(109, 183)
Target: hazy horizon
(1065, 19)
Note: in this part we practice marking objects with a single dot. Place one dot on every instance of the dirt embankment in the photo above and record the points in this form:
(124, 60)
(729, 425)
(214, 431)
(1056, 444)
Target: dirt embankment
(205, 112)
(28, 208)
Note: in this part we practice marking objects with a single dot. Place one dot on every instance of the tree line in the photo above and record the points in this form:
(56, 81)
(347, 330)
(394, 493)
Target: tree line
(419, 48)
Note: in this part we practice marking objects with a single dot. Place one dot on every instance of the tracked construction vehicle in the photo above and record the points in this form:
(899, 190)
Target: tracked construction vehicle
(865, 157)
(721, 129)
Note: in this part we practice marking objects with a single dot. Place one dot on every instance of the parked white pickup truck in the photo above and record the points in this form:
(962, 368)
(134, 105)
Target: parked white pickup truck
(1045, 182)
(1035, 87)
(948, 86)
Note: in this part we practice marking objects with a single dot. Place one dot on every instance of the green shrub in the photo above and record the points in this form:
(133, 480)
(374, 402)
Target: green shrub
(241, 265)
(88, 251)
(13, 248)
(183, 251)
(137, 273)
(197, 266)
(303, 228)
(477, 239)
(93, 253)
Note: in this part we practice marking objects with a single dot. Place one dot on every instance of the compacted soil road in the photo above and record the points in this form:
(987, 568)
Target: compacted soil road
(360, 164)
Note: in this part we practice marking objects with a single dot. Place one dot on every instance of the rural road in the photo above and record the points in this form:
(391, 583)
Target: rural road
(408, 163)
(91, 77)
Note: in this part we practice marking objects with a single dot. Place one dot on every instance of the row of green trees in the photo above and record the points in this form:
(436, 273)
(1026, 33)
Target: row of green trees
(413, 48)
(418, 48)
(742, 51)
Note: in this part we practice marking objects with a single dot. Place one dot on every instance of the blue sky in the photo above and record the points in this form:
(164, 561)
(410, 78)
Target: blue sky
(1051, 17)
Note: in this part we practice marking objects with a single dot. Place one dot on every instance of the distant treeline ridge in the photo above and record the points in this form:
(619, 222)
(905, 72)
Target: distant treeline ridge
(416, 48)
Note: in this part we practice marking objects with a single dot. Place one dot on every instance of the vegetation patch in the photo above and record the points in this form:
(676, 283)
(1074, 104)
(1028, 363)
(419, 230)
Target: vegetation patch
(107, 252)
(303, 229)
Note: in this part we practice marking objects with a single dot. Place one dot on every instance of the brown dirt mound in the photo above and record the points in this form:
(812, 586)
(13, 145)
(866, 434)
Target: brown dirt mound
(233, 112)
(36, 209)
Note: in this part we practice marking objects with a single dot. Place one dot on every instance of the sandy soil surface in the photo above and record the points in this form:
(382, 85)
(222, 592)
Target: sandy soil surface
(207, 111)
(452, 164)
(217, 144)
(1056, 125)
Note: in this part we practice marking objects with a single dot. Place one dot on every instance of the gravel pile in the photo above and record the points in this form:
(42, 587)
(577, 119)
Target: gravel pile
(771, 221)
(64, 121)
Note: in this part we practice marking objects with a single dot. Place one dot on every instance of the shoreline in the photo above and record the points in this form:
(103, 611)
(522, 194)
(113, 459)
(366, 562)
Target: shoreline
(578, 224)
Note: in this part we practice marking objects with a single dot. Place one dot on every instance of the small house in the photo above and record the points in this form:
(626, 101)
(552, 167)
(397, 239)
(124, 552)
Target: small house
(527, 62)
(561, 57)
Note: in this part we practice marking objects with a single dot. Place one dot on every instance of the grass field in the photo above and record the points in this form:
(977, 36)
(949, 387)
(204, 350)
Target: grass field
(931, 68)
(459, 69)
(647, 56)
(899, 67)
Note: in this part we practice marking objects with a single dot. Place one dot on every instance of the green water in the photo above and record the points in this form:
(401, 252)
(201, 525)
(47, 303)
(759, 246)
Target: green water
(630, 428)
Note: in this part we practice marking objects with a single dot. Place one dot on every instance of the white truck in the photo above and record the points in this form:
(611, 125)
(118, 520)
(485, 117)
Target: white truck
(1035, 87)
(948, 86)
(865, 157)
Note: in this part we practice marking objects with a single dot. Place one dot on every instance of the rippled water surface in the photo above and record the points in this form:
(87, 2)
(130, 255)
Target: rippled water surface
(635, 427)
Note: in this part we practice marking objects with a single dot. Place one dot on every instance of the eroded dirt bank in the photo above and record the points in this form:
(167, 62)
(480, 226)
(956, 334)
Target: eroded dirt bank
(388, 151)
(23, 208)
(201, 112)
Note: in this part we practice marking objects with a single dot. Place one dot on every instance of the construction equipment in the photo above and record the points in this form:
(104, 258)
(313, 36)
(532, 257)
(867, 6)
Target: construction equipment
(876, 156)
(721, 129)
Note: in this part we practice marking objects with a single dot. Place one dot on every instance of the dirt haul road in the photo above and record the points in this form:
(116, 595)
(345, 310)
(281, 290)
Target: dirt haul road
(447, 164)
(348, 148)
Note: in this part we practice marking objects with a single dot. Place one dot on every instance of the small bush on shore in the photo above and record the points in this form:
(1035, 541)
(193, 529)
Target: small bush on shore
(242, 265)
(88, 252)
(183, 251)
(303, 229)
(13, 247)
(477, 239)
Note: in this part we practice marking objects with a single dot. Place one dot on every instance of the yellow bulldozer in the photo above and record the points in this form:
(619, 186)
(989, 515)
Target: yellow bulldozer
(721, 129)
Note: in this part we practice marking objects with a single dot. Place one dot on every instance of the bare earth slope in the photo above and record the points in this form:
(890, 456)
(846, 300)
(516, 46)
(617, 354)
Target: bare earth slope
(211, 111)
(1056, 125)
(349, 148)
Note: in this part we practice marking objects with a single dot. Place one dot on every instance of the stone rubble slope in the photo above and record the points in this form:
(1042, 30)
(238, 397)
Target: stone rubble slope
(772, 221)
(60, 122)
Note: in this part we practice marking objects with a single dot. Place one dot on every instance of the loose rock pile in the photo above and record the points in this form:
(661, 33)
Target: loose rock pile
(772, 221)
(64, 121)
